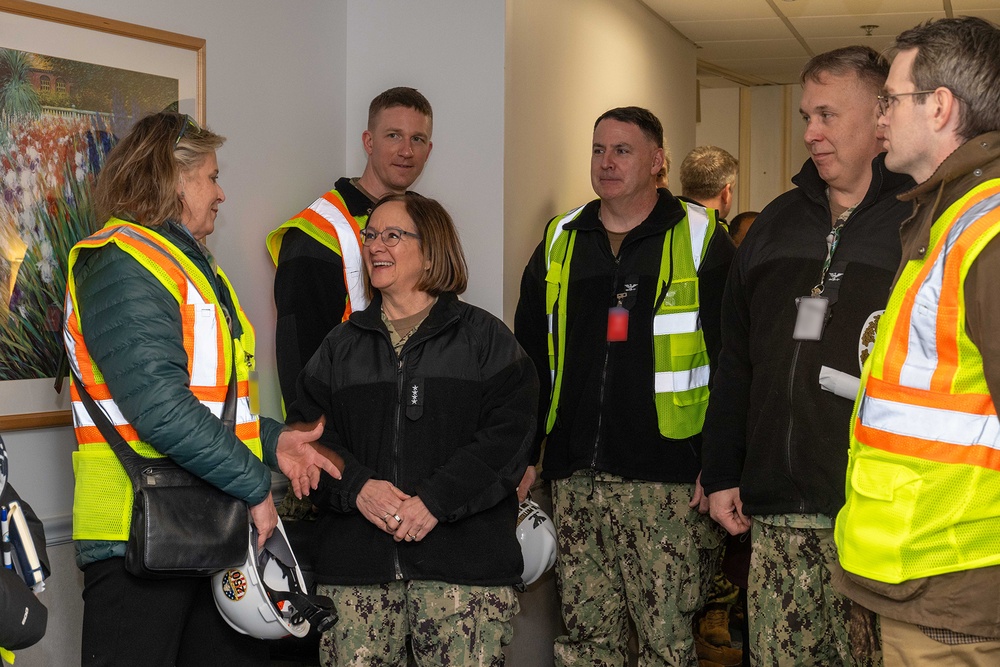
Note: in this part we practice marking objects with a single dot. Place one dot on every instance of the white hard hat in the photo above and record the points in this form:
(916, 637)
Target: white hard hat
(538, 541)
(266, 596)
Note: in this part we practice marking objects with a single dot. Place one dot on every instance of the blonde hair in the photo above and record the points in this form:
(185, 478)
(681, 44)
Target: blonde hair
(139, 180)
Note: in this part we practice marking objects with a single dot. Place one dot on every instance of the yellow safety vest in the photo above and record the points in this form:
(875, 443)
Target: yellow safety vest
(102, 502)
(923, 476)
(329, 222)
(680, 356)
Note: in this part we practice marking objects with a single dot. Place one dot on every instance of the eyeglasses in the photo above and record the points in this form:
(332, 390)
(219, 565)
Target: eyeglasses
(185, 124)
(885, 101)
(390, 235)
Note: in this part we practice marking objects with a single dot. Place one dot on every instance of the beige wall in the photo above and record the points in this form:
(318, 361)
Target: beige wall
(568, 61)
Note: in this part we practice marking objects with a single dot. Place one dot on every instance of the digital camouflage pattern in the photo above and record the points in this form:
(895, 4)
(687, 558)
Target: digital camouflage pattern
(450, 625)
(796, 616)
(630, 548)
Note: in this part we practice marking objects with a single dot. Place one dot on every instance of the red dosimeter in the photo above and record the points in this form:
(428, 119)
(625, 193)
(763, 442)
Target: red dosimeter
(617, 324)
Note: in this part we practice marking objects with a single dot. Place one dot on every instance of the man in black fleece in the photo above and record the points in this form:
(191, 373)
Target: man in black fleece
(631, 284)
(798, 319)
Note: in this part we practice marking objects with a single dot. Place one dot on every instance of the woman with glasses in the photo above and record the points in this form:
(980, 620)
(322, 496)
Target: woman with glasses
(431, 403)
(155, 333)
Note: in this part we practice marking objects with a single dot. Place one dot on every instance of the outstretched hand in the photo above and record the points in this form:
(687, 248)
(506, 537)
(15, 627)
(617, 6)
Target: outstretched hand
(301, 458)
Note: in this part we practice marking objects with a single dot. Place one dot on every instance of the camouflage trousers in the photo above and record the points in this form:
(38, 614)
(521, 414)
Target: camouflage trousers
(630, 548)
(448, 624)
(796, 616)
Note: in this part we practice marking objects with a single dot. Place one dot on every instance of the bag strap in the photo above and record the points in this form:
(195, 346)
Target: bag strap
(132, 461)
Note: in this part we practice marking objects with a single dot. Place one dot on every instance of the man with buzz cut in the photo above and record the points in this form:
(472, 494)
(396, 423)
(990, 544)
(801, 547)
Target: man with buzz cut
(919, 535)
(619, 310)
(319, 279)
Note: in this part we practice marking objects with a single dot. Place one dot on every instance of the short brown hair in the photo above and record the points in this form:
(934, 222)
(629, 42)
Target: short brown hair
(439, 242)
(139, 180)
(706, 170)
(963, 55)
(863, 61)
(644, 119)
(400, 96)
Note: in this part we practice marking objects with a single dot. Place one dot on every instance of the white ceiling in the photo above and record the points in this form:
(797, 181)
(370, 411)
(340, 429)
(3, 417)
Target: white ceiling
(762, 42)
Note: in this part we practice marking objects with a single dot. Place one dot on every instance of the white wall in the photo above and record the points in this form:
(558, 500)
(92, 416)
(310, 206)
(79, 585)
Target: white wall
(275, 82)
(568, 61)
(453, 52)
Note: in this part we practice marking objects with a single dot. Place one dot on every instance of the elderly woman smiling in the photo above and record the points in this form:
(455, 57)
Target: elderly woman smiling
(431, 403)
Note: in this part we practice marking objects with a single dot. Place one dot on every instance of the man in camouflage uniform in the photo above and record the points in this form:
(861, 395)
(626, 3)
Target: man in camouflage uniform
(623, 446)
(776, 432)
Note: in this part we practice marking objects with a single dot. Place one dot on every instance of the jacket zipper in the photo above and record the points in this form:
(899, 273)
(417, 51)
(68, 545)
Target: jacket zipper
(395, 452)
(604, 378)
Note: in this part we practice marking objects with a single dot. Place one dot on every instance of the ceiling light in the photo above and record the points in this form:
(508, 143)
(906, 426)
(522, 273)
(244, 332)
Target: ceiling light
(868, 29)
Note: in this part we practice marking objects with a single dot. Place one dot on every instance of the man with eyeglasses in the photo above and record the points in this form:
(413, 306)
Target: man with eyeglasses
(619, 310)
(919, 535)
(319, 279)
(801, 302)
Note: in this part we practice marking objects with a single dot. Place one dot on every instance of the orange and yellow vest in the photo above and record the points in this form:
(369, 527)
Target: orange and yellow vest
(680, 356)
(102, 502)
(923, 475)
(328, 221)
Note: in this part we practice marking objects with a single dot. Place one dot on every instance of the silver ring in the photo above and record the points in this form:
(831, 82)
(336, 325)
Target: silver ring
(396, 517)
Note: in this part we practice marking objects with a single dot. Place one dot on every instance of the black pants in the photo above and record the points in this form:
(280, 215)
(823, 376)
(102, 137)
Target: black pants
(133, 622)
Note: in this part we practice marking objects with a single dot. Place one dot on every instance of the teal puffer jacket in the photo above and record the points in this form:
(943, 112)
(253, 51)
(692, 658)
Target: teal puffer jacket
(132, 327)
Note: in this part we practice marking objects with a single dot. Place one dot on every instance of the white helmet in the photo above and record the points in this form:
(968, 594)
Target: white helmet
(538, 541)
(266, 596)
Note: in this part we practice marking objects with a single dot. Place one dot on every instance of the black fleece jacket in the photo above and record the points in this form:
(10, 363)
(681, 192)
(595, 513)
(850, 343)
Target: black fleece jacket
(451, 421)
(770, 429)
(607, 416)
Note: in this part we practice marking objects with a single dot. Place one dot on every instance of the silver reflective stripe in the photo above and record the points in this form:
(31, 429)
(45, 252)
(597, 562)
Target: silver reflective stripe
(948, 426)
(560, 228)
(922, 354)
(676, 323)
(550, 318)
(698, 224)
(350, 251)
(667, 382)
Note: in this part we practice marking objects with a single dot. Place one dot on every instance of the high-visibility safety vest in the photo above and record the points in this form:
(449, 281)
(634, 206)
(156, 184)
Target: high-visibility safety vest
(329, 222)
(923, 476)
(102, 503)
(680, 356)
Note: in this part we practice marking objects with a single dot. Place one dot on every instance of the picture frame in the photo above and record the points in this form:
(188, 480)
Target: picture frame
(99, 44)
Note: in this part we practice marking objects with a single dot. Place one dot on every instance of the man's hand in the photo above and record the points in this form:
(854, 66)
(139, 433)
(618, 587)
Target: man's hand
(416, 522)
(699, 500)
(527, 481)
(727, 509)
(301, 459)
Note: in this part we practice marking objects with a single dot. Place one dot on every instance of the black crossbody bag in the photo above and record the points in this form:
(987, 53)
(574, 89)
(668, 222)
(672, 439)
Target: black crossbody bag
(182, 526)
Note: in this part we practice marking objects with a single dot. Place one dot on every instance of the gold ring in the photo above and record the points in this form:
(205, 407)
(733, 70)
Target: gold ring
(411, 536)
(396, 517)
(385, 516)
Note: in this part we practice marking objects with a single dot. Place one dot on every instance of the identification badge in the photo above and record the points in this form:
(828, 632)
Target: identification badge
(617, 324)
(811, 319)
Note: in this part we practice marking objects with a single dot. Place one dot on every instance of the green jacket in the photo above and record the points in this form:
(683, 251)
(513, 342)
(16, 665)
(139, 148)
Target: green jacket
(133, 331)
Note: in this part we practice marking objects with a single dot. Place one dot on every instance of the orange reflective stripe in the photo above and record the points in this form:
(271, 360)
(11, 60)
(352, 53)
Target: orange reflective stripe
(931, 450)
(342, 207)
(977, 404)
(952, 297)
(93, 434)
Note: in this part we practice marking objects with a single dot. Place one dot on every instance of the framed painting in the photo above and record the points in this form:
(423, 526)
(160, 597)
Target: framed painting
(71, 84)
